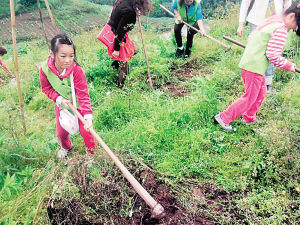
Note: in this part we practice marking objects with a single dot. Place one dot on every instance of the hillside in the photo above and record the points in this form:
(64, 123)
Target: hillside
(166, 138)
(82, 15)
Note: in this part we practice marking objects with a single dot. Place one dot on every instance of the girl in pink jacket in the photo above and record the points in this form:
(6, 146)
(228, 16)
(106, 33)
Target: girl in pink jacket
(60, 65)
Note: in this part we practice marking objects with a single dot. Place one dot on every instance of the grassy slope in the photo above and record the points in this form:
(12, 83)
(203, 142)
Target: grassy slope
(176, 137)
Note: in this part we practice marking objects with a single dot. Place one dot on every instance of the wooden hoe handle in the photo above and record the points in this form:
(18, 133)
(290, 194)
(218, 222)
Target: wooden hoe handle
(156, 208)
(234, 41)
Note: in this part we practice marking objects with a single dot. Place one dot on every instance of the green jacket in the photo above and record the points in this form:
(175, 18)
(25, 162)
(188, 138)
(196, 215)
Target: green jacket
(254, 58)
(183, 13)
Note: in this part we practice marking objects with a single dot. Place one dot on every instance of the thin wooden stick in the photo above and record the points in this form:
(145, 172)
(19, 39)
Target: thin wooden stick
(244, 46)
(156, 208)
(37, 210)
(13, 33)
(146, 57)
(195, 29)
(42, 22)
(51, 16)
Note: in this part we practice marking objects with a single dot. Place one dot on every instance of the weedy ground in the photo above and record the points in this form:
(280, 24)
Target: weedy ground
(166, 137)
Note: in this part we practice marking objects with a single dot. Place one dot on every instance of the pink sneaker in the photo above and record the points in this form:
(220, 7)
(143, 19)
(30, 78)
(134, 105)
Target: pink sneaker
(249, 122)
(89, 151)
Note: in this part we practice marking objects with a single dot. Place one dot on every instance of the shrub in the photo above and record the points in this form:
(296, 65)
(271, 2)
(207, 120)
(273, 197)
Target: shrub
(27, 3)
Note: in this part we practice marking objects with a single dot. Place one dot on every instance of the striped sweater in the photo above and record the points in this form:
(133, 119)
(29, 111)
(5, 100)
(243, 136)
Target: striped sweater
(275, 48)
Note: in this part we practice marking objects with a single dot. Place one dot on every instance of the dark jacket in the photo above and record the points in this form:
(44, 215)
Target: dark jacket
(122, 20)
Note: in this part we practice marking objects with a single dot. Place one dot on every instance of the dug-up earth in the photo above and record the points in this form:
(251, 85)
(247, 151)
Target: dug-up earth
(111, 200)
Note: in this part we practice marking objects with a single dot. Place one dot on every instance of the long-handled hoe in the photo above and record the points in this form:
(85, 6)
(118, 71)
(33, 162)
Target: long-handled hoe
(244, 46)
(156, 208)
(206, 35)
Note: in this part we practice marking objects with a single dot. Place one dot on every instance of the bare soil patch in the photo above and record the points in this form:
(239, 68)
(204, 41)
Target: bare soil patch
(112, 200)
(187, 71)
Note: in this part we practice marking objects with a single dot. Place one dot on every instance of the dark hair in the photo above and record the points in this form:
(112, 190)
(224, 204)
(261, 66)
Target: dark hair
(143, 6)
(2, 50)
(295, 8)
(61, 39)
(181, 2)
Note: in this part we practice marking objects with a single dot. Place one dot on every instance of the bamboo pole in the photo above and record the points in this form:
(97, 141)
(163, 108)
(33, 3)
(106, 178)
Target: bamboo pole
(51, 16)
(42, 22)
(144, 47)
(156, 208)
(244, 46)
(206, 35)
(13, 32)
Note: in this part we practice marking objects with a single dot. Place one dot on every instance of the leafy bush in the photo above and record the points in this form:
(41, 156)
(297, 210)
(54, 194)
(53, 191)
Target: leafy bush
(209, 7)
(103, 2)
(26, 3)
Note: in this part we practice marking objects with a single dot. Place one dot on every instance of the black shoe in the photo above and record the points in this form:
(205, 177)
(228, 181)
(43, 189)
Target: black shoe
(122, 74)
(187, 53)
(115, 64)
(179, 52)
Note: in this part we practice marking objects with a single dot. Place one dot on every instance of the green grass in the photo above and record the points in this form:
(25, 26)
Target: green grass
(257, 164)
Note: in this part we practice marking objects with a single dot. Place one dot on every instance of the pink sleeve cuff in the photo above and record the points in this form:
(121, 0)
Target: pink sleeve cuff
(288, 66)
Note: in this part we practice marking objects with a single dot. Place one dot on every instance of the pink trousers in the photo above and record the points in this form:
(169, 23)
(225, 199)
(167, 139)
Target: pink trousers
(248, 104)
(63, 136)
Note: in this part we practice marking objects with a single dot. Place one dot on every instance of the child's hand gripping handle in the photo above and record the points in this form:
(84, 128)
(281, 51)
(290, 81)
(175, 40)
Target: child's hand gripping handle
(205, 35)
(297, 70)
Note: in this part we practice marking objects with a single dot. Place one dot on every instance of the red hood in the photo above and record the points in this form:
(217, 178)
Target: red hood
(51, 66)
(272, 19)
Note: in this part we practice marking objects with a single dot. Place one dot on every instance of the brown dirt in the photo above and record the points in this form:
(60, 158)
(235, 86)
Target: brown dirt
(28, 26)
(112, 200)
(189, 70)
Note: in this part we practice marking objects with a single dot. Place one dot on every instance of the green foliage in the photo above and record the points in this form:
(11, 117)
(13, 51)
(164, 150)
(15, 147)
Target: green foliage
(216, 9)
(158, 11)
(4, 9)
(9, 187)
(26, 3)
(103, 2)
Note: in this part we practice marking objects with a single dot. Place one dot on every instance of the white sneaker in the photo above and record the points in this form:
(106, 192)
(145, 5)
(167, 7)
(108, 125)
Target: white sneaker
(62, 153)
(225, 126)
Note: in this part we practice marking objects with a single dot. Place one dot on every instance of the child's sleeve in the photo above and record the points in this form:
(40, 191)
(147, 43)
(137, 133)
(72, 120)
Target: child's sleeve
(174, 6)
(47, 88)
(275, 48)
(4, 67)
(82, 92)
(126, 24)
(199, 15)
(243, 10)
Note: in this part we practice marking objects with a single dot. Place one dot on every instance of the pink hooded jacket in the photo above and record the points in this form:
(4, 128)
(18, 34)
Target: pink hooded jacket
(80, 84)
